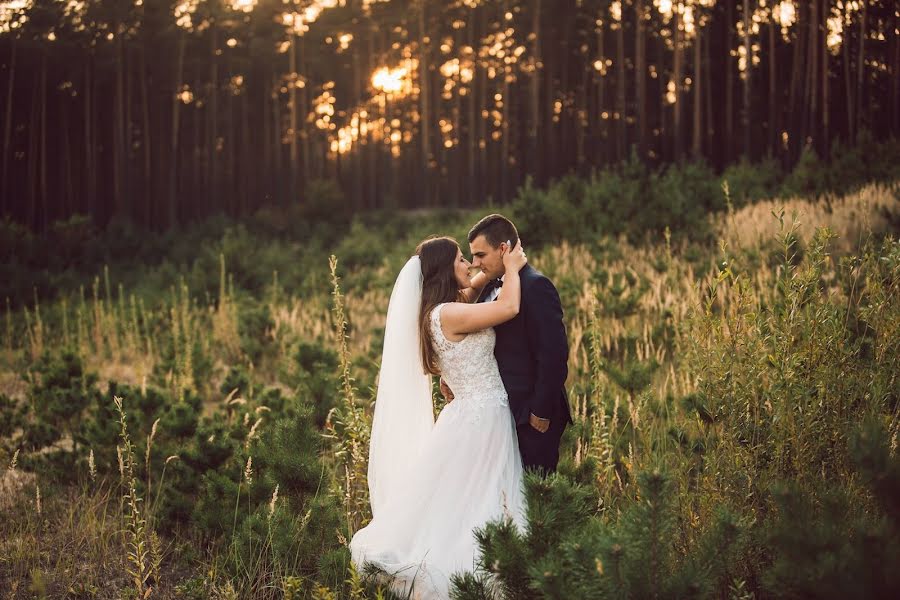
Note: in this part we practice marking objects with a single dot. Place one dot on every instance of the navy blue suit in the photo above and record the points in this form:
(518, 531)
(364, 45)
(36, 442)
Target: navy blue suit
(532, 352)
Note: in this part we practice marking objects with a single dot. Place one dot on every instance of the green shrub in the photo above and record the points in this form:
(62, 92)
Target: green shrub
(825, 547)
(316, 380)
(60, 392)
(362, 246)
(684, 195)
(544, 217)
(629, 199)
(10, 417)
(567, 551)
(325, 205)
(254, 324)
(807, 179)
(749, 182)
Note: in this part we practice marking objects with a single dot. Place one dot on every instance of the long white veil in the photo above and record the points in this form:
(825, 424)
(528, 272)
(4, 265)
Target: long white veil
(403, 408)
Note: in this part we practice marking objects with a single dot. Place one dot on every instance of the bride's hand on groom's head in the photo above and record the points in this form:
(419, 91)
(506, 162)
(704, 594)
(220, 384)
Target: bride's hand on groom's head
(515, 258)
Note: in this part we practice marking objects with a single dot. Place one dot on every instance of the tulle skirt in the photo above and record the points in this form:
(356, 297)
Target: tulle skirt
(468, 473)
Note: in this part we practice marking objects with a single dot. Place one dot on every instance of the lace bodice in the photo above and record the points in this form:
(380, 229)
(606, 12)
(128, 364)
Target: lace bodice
(469, 367)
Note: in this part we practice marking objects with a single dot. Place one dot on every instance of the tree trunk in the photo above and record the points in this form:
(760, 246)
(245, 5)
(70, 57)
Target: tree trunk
(678, 77)
(483, 185)
(848, 89)
(581, 123)
(127, 179)
(812, 88)
(454, 165)
(895, 75)
(561, 156)
(774, 120)
(861, 65)
(63, 196)
(212, 141)
(826, 142)
(292, 100)
(599, 123)
(707, 93)
(550, 148)
(305, 152)
(356, 156)
(729, 83)
(68, 189)
(698, 84)
(197, 182)
(425, 108)
(44, 191)
(31, 155)
(276, 172)
(471, 171)
(90, 186)
(120, 201)
(231, 188)
(534, 162)
(374, 145)
(263, 174)
(621, 133)
(245, 164)
(504, 141)
(7, 129)
(172, 205)
(148, 186)
(795, 120)
(746, 117)
(640, 78)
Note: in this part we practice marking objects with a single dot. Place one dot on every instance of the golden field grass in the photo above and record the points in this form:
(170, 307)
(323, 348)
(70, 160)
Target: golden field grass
(625, 305)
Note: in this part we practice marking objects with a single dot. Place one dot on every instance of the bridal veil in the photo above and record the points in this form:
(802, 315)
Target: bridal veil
(403, 407)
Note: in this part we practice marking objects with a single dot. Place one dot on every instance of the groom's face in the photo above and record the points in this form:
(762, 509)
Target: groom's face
(487, 258)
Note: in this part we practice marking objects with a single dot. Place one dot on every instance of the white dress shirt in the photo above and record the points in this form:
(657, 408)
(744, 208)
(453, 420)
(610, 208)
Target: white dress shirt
(496, 291)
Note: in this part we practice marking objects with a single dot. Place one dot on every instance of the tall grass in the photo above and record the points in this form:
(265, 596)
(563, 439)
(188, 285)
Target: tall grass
(727, 366)
(137, 533)
(349, 422)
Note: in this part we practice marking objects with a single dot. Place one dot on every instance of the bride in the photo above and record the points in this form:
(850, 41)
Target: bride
(431, 484)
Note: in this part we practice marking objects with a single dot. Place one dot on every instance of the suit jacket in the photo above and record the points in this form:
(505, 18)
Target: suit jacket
(532, 350)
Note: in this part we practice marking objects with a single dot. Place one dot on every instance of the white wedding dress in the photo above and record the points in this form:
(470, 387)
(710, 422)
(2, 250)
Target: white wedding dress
(467, 472)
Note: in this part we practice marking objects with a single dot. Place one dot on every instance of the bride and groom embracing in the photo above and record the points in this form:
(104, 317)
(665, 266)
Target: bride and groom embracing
(498, 342)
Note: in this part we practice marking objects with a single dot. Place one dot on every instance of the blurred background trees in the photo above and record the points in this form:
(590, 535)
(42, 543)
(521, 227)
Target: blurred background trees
(160, 112)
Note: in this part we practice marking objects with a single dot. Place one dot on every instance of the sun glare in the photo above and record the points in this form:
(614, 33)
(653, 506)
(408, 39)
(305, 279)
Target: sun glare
(389, 81)
(12, 14)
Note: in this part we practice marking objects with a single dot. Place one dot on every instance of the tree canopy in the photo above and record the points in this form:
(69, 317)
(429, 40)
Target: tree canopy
(164, 111)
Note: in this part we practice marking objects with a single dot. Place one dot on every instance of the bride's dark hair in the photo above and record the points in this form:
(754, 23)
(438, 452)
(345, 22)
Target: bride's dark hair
(438, 258)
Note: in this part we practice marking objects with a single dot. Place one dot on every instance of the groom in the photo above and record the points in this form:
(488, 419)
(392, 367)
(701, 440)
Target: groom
(531, 349)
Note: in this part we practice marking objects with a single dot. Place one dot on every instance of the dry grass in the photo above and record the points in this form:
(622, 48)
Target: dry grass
(73, 547)
(77, 540)
(12, 486)
(852, 217)
(13, 385)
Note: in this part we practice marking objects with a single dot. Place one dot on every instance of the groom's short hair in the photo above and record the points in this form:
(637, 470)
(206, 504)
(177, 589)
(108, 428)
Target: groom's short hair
(496, 229)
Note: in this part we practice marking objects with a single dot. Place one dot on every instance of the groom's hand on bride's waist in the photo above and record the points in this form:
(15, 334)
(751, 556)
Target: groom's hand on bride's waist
(538, 423)
(446, 392)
